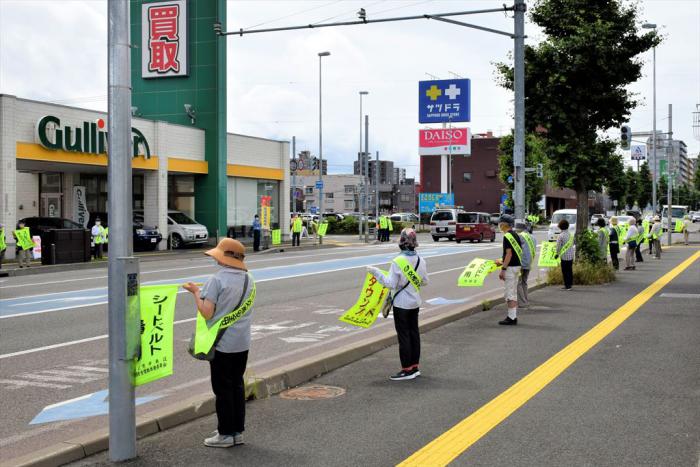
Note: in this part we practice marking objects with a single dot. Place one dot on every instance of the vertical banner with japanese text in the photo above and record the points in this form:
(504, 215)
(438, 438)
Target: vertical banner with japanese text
(265, 211)
(164, 39)
(157, 316)
(475, 272)
(548, 251)
(367, 308)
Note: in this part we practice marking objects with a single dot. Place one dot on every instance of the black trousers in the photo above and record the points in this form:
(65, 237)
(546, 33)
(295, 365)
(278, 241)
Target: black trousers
(296, 238)
(97, 251)
(614, 251)
(638, 253)
(256, 240)
(406, 323)
(567, 270)
(229, 388)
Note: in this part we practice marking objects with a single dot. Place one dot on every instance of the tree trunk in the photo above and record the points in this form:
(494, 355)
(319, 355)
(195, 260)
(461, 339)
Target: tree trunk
(582, 216)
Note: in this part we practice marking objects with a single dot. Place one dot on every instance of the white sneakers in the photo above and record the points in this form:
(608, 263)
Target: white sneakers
(223, 441)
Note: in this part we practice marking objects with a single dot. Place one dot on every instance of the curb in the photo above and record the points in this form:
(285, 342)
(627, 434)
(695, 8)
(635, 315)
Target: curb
(264, 385)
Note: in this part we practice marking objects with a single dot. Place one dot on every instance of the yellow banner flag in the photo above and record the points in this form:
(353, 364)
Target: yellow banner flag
(276, 237)
(475, 272)
(548, 251)
(322, 229)
(367, 308)
(157, 316)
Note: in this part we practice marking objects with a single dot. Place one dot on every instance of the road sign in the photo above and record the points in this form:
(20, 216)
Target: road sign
(427, 201)
(319, 184)
(444, 100)
(504, 198)
(639, 153)
(89, 405)
(313, 209)
(293, 165)
(444, 141)
(510, 179)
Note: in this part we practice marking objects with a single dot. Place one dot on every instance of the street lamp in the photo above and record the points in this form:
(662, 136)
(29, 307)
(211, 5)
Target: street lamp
(320, 142)
(363, 168)
(653, 136)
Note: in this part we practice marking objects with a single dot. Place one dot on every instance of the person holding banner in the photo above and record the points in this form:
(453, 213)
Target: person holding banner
(631, 241)
(3, 244)
(614, 235)
(529, 250)
(565, 251)
(656, 237)
(510, 267)
(25, 245)
(408, 273)
(229, 290)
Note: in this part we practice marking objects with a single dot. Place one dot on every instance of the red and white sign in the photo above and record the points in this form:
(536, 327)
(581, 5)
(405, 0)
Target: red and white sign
(164, 39)
(444, 141)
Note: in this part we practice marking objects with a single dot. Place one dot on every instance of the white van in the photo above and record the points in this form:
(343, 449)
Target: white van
(678, 212)
(569, 215)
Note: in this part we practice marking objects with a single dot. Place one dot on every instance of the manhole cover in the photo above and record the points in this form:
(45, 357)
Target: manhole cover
(312, 392)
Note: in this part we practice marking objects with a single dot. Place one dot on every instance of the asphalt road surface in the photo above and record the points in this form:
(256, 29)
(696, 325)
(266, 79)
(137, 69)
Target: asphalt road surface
(54, 326)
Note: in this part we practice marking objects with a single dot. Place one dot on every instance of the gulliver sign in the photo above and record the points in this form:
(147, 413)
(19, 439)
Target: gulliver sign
(90, 138)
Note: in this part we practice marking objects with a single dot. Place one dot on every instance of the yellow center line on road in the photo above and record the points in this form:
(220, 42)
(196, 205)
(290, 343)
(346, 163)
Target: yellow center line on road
(448, 446)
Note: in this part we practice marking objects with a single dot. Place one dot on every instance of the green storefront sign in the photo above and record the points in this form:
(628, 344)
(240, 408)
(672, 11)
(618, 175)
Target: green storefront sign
(178, 75)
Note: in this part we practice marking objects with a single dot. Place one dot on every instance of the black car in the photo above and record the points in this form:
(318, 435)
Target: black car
(40, 226)
(145, 237)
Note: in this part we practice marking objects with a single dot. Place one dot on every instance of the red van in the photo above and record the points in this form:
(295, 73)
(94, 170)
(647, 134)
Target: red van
(474, 226)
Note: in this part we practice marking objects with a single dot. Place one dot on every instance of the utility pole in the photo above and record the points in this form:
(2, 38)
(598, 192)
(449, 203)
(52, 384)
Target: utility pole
(123, 306)
(376, 190)
(365, 161)
(654, 170)
(669, 177)
(363, 156)
(519, 87)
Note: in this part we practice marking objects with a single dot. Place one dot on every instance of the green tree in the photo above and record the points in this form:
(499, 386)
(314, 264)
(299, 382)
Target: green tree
(644, 191)
(575, 86)
(534, 154)
(617, 183)
(632, 187)
(662, 190)
(696, 176)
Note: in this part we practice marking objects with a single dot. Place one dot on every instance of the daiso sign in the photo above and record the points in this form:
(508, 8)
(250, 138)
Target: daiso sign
(444, 141)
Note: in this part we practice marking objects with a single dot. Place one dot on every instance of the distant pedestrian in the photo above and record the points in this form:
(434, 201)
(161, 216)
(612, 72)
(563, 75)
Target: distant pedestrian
(406, 301)
(565, 251)
(686, 224)
(256, 233)
(98, 237)
(3, 244)
(297, 227)
(224, 294)
(641, 236)
(655, 236)
(510, 265)
(529, 245)
(631, 241)
(614, 233)
(24, 245)
(603, 240)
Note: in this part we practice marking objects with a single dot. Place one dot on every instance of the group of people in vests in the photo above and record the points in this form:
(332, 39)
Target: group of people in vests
(384, 228)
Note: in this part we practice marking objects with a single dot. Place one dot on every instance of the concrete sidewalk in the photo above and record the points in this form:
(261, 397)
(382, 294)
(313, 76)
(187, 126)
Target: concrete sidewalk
(630, 400)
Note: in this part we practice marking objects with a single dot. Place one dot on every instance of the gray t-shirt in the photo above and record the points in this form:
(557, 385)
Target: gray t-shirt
(224, 289)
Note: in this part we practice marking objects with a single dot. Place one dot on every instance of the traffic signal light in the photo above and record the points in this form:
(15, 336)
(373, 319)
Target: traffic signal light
(625, 136)
(540, 170)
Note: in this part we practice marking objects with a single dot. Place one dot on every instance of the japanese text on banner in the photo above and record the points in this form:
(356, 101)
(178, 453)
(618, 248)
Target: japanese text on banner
(276, 237)
(367, 308)
(547, 258)
(157, 315)
(322, 229)
(475, 272)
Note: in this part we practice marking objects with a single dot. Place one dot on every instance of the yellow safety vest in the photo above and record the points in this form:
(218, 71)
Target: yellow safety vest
(106, 234)
(391, 224)
(3, 245)
(382, 222)
(298, 225)
(409, 272)
(530, 243)
(99, 238)
(567, 245)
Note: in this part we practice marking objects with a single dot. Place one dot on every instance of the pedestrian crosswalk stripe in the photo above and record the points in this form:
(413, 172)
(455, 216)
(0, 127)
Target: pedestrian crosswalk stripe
(448, 446)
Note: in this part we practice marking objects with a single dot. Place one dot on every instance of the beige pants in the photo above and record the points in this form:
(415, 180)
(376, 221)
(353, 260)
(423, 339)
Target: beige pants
(522, 288)
(629, 257)
(24, 257)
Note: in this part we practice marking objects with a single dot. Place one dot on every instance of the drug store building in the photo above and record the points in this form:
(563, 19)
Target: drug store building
(52, 159)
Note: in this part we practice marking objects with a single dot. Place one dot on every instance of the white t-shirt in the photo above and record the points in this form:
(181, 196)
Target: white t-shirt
(409, 298)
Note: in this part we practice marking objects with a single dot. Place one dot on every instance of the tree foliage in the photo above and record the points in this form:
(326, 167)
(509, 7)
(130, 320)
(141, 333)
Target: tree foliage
(644, 187)
(534, 154)
(617, 183)
(575, 86)
(632, 187)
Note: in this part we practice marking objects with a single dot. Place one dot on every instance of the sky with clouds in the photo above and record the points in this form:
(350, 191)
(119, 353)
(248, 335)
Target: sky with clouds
(55, 50)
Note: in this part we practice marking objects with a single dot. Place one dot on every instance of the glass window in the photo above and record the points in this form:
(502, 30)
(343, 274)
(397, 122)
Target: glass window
(50, 183)
(181, 218)
(269, 188)
(309, 190)
(349, 204)
(467, 176)
(467, 218)
(571, 218)
(329, 195)
(181, 193)
(442, 216)
(349, 189)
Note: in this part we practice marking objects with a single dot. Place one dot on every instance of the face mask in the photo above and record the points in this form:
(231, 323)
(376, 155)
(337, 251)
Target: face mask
(97, 223)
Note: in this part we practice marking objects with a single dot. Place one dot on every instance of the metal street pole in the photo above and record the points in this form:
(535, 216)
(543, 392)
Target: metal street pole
(122, 270)
(654, 173)
(320, 143)
(365, 160)
(519, 87)
(293, 203)
(669, 179)
(364, 191)
(376, 190)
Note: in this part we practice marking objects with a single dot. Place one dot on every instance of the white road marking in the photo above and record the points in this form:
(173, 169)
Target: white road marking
(16, 383)
(680, 295)
(69, 375)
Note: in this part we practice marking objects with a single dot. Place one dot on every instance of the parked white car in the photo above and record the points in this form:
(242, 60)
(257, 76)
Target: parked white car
(183, 230)
(569, 215)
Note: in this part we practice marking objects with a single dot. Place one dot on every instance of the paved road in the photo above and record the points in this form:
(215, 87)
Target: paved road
(53, 326)
(631, 399)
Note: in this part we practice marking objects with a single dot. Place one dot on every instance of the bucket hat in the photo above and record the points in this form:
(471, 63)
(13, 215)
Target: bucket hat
(229, 252)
